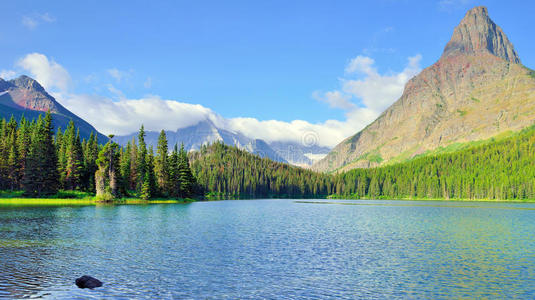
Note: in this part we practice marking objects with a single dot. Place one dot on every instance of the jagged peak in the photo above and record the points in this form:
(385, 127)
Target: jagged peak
(27, 82)
(477, 33)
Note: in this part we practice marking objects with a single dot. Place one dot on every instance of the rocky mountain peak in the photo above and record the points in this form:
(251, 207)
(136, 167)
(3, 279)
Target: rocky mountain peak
(476, 34)
(26, 82)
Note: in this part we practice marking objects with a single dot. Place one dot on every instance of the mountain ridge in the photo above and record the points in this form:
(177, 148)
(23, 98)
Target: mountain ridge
(206, 132)
(477, 89)
(24, 96)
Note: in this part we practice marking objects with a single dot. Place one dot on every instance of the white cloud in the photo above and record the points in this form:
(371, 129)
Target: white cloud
(378, 91)
(48, 73)
(7, 74)
(34, 20)
(360, 63)
(335, 99)
(126, 115)
(373, 92)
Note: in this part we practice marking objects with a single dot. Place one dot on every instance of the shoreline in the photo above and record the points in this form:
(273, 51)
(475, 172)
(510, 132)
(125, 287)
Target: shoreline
(85, 202)
(4, 202)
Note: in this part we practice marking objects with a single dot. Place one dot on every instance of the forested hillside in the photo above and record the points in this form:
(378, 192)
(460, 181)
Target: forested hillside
(227, 172)
(497, 170)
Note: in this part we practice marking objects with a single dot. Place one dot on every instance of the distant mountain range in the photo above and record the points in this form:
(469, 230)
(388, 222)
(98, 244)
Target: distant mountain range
(476, 90)
(206, 132)
(25, 96)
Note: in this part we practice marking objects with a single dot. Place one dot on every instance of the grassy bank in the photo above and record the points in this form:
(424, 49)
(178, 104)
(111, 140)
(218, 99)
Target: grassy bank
(70, 198)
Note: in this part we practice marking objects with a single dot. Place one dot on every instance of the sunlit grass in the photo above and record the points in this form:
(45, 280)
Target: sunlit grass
(74, 198)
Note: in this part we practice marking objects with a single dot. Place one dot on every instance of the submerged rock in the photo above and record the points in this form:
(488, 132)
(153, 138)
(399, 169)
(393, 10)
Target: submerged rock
(88, 282)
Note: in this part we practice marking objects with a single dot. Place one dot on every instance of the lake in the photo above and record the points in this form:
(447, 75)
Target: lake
(271, 249)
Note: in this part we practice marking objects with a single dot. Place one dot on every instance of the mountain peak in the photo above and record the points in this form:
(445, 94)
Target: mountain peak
(476, 34)
(26, 82)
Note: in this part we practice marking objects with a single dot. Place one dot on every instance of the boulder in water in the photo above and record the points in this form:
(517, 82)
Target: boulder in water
(88, 282)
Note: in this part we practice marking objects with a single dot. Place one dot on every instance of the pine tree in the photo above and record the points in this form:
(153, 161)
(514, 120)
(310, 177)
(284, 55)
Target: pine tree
(90, 155)
(174, 185)
(74, 158)
(41, 175)
(150, 172)
(133, 165)
(187, 181)
(23, 146)
(106, 177)
(145, 188)
(161, 165)
(141, 166)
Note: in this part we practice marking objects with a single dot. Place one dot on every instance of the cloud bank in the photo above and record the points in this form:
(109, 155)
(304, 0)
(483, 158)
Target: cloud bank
(363, 94)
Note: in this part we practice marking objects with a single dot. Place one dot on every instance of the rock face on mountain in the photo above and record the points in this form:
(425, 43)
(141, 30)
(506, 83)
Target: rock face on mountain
(25, 96)
(476, 90)
(203, 133)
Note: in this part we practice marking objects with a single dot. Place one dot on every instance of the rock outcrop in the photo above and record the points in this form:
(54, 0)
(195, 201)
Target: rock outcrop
(87, 282)
(476, 90)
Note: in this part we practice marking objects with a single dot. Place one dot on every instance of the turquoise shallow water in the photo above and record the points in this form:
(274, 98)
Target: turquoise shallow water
(271, 249)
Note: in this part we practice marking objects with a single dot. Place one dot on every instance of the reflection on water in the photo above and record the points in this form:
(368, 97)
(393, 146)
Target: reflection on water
(271, 249)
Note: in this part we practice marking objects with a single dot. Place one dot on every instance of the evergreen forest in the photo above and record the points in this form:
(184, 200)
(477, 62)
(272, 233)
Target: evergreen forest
(40, 161)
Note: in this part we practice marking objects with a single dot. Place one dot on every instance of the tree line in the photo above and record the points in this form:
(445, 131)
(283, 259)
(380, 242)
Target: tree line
(503, 169)
(40, 162)
(227, 172)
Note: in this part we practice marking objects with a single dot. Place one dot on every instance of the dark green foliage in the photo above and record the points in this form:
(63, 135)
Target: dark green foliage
(141, 165)
(497, 170)
(227, 172)
(107, 176)
(174, 181)
(145, 188)
(150, 177)
(161, 165)
(41, 176)
(32, 160)
(185, 177)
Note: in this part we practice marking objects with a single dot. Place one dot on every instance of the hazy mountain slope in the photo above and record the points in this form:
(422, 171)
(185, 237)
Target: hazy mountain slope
(25, 96)
(476, 90)
(203, 133)
(299, 154)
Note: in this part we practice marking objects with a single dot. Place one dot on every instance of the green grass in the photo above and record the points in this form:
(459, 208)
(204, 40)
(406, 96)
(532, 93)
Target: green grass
(58, 195)
(68, 198)
(462, 113)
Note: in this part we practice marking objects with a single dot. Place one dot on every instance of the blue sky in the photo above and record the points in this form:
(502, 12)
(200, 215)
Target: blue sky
(261, 59)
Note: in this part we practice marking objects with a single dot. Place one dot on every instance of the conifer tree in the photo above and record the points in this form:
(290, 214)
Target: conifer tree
(90, 155)
(141, 166)
(150, 172)
(174, 180)
(41, 174)
(133, 165)
(187, 181)
(74, 158)
(125, 168)
(106, 177)
(161, 164)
